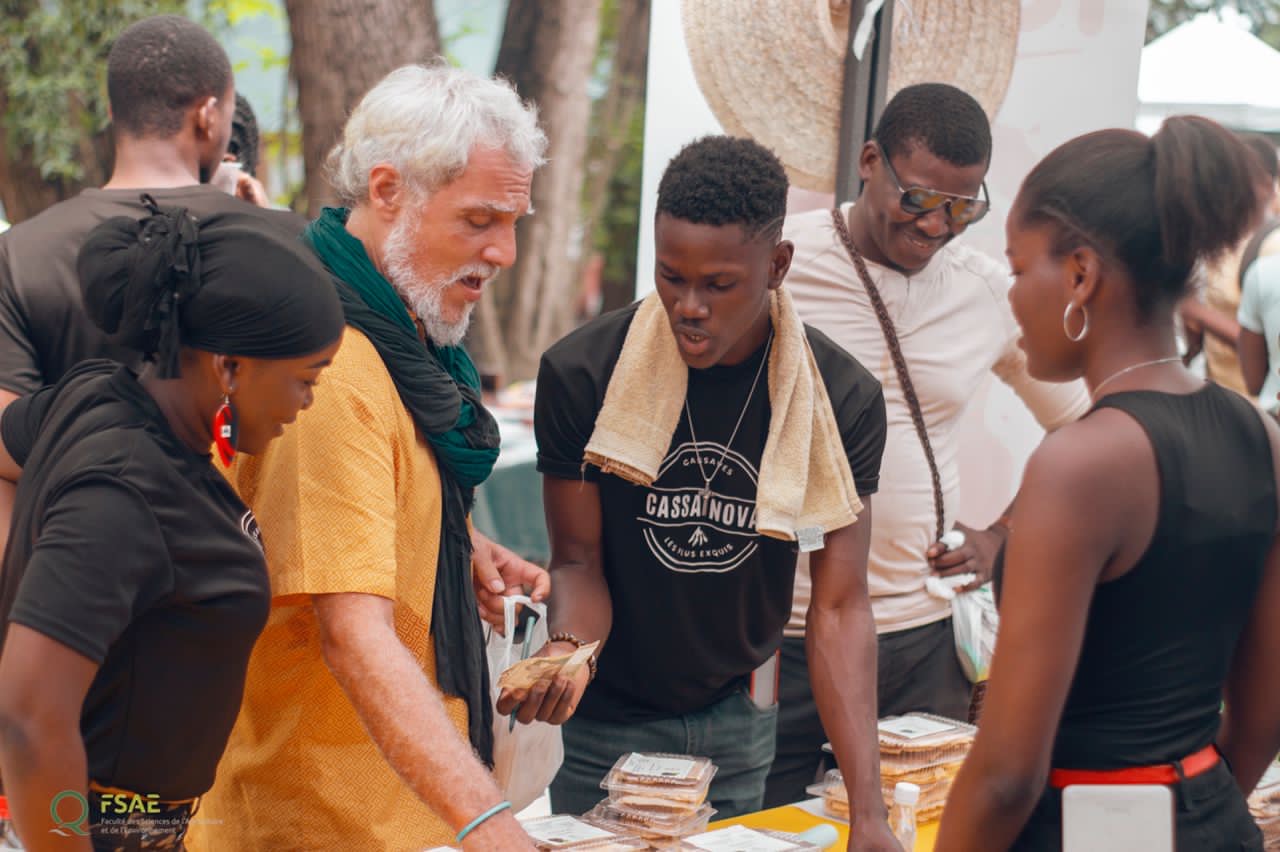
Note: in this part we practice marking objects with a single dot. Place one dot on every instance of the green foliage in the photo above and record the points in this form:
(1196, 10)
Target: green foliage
(53, 72)
(1263, 16)
(232, 12)
(468, 27)
(615, 159)
(619, 226)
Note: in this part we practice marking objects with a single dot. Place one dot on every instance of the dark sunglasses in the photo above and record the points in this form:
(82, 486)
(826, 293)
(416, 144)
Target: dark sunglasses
(918, 200)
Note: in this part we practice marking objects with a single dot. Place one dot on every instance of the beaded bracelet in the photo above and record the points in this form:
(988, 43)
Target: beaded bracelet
(471, 826)
(577, 643)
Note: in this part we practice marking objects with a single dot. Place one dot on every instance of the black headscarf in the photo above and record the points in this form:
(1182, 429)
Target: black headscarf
(220, 284)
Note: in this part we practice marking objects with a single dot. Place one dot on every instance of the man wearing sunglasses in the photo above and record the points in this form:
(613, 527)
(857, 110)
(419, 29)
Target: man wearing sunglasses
(944, 304)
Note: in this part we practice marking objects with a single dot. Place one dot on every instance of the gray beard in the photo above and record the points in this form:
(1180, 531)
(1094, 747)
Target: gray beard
(426, 296)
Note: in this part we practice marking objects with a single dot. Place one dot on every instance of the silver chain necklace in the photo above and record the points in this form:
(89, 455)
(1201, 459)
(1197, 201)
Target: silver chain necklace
(705, 491)
(1097, 391)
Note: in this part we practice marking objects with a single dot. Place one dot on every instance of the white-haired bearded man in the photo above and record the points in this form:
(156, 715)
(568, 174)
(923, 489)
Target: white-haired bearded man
(367, 715)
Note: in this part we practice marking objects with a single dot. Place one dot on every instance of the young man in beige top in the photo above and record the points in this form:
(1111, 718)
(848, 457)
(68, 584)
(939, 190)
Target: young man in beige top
(931, 149)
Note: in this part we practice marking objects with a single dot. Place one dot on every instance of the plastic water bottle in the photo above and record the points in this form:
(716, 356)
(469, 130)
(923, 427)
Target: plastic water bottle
(8, 837)
(905, 796)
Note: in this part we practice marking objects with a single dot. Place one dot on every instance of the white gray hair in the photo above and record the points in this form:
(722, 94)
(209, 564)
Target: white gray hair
(424, 120)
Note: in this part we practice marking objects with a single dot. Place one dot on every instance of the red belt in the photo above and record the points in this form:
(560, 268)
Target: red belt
(1166, 773)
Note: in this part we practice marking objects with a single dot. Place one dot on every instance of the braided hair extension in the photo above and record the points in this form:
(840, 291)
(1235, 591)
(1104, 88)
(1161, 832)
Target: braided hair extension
(899, 364)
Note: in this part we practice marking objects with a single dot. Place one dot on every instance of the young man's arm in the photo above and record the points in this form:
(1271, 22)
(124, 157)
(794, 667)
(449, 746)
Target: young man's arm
(840, 642)
(1251, 349)
(1251, 344)
(581, 605)
(405, 716)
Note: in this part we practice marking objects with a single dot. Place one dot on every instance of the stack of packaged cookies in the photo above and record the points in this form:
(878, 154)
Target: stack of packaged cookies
(927, 751)
(659, 797)
(1264, 804)
(920, 748)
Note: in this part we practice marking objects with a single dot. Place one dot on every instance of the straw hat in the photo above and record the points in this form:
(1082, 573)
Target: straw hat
(773, 69)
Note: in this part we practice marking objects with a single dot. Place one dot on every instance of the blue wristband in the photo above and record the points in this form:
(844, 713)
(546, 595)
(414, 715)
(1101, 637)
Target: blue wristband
(471, 826)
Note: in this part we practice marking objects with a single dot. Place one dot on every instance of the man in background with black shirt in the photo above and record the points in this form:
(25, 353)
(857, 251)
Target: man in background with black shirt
(167, 151)
(675, 572)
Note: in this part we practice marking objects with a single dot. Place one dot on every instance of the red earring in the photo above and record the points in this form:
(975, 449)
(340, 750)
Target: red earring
(225, 430)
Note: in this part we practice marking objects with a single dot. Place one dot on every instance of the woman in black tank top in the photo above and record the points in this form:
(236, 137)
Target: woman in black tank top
(1141, 583)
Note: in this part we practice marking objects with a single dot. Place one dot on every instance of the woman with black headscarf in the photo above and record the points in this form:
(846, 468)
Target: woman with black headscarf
(134, 584)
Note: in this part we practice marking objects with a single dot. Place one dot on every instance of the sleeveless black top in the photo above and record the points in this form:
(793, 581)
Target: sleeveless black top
(1159, 640)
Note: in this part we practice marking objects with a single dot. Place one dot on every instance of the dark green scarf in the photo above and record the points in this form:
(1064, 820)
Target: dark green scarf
(440, 387)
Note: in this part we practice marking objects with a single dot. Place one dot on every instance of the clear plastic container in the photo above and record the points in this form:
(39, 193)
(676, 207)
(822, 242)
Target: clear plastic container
(737, 838)
(929, 807)
(649, 824)
(918, 741)
(568, 832)
(835, 798)
(656, 781)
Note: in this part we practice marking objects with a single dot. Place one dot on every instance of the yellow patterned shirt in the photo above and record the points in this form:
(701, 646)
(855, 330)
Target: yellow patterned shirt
(348, 501)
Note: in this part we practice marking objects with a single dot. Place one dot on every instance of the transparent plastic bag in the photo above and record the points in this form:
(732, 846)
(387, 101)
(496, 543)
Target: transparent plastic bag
(974, 617)
(525, 757)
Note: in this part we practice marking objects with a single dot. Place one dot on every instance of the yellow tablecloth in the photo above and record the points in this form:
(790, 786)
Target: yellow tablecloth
(793, 819)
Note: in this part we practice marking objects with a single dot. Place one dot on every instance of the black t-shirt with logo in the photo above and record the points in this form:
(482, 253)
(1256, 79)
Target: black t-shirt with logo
(699, 597)
(129, 548)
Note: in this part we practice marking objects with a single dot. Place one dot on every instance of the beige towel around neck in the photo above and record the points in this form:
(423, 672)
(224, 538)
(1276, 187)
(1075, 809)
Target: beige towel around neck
(805, 488)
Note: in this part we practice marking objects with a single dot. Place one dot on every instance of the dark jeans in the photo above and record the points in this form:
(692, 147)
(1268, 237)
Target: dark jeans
(1211, 817)
(917, 670)
(735, 734)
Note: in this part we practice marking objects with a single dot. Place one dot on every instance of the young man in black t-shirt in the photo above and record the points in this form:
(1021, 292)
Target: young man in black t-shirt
(674, 574)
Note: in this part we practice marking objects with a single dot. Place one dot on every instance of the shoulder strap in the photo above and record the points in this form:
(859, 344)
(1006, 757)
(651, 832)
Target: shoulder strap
(899, 364)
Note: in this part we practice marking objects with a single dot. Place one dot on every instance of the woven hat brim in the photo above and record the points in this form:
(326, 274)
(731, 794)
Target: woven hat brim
(773, 69)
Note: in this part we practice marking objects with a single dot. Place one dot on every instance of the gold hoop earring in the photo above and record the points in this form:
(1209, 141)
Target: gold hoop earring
(1066, 317)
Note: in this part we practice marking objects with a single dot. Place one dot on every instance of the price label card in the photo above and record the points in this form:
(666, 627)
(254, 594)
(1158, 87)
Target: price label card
(737, 838)
(658, 767)
(560, 831)
(913, 728)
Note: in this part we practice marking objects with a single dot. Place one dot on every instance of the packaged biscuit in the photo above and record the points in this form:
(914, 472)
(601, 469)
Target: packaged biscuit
(835, 798)
(659, 781)
(918, 741)
(525, 673)
(566, 832)
(649, 824)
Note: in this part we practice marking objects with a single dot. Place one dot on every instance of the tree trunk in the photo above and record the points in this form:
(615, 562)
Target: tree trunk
(341, 48)
(548, 51)
(618, 135)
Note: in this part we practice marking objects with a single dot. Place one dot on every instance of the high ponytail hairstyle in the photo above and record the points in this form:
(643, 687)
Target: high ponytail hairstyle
(1155, 206)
